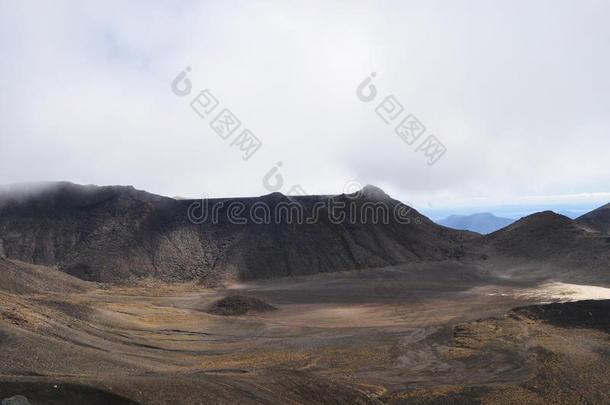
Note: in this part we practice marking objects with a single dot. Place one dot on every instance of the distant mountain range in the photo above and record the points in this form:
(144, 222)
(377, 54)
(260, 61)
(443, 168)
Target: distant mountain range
(483, 223)
(118, 233)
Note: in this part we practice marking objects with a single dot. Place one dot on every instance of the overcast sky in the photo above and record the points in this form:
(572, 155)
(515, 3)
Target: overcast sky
(517, 91)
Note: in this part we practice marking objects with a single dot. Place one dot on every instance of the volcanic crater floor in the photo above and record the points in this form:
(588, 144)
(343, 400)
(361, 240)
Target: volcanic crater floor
(417, 334)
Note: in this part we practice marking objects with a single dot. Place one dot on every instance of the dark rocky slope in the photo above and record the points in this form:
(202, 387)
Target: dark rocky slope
(239, 305)
(597, 220)
(553, 245)
(539, 235)
(118, 233)
(594, 314)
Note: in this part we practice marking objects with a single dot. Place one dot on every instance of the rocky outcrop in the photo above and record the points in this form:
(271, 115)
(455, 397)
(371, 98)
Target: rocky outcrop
(16, 400)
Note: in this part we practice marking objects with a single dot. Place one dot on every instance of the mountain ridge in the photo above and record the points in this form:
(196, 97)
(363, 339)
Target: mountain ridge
(117, 233)
(598, 219)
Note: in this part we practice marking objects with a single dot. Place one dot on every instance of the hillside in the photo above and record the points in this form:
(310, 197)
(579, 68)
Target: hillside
(23, 278)
(598, 219)
(537, 235)
(553, 245)
(120, 233)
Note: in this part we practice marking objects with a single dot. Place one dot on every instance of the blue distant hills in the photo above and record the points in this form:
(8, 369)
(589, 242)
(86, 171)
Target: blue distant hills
(482, 223)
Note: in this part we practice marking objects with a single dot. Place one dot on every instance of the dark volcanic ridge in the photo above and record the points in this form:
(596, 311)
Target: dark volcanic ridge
(239, 305)
(565, 249)
(118, 234)
(115, 234)
(598, 219)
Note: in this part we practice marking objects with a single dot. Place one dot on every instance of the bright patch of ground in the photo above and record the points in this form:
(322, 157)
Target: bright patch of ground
(564, 292)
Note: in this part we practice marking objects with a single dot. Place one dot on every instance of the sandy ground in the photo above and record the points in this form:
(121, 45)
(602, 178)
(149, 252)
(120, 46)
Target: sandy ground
(353, 337)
